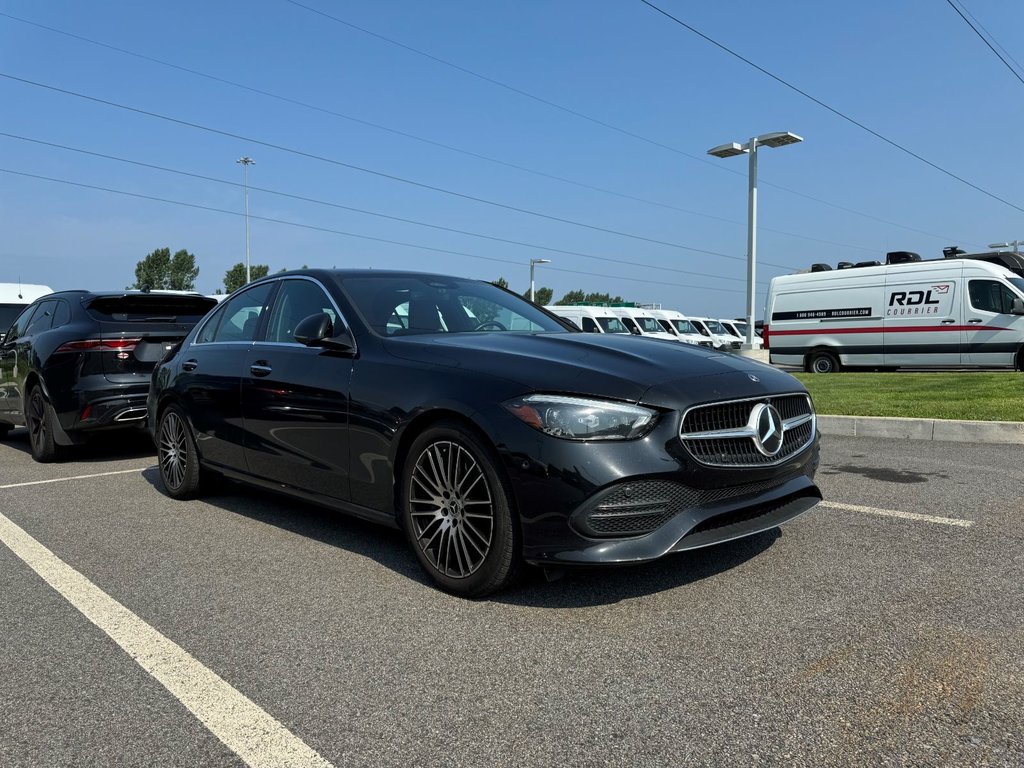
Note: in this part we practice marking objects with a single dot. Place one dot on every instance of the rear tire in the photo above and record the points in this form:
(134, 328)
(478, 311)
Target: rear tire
(822, 361)
(40, 419)
(1020, 360)
(5, 429)
(456, 510)
(180, 472)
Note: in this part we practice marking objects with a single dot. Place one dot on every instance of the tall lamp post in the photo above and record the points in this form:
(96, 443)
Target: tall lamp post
(777, 139)
(533, 263)
(246, 162)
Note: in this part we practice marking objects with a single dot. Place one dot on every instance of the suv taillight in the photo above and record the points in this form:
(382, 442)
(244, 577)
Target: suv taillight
(99, 345)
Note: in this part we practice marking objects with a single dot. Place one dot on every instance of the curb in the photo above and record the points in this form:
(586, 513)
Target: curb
(1000, 432)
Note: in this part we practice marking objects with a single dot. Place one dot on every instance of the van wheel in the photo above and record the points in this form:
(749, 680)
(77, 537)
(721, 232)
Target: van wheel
(822, 362)
(1020, 360)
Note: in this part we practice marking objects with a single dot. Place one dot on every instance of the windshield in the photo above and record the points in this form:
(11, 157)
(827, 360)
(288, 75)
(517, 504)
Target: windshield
(1018, 283)
(7, 314)
(684, 326)
(404, 305)
(612, 325)
(716, 327)
(649, 325)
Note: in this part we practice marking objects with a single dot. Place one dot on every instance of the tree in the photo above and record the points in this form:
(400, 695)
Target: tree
(161, 271)
(501, 282)
(234, 278)
(542, 296)
(579, 297)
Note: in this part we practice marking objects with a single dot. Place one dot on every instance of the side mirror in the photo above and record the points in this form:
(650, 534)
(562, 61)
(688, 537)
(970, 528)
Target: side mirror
(318, 331)
(1017, 307)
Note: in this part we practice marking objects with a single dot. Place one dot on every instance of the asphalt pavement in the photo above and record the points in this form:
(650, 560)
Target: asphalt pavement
(882, 628)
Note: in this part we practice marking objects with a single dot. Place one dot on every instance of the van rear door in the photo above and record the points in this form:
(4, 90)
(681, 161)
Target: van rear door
(922, 316)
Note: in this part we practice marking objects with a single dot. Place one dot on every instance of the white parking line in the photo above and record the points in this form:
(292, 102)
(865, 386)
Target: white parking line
(76, 477)
(897, 513)
(249, 731)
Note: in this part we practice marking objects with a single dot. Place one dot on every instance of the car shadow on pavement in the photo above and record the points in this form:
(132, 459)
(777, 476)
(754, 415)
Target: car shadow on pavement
(110, 446)
(576, 588)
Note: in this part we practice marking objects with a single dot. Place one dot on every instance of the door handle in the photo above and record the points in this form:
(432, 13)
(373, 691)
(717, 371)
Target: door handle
(260, 368)
(190, 365)
(975, 321)
(950, 321)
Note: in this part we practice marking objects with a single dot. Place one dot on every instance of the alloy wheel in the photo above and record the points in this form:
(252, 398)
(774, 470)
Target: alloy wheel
(173, 450)
(451, 509)
(37, 426)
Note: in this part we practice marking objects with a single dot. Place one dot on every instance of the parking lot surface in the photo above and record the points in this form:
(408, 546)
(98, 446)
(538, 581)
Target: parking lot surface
(884, 627)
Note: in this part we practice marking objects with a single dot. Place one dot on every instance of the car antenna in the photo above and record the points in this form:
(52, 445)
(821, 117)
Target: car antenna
(19, 287)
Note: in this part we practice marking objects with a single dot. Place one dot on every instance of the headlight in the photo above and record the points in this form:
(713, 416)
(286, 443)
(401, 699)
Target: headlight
(578, 418)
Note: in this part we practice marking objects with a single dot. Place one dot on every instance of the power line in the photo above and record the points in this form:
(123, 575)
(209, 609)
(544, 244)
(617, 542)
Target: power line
(432, 142)
(831, 109)
(378, 214)
(985, 40)
(612, 127)
(343, 233)
(380, 174)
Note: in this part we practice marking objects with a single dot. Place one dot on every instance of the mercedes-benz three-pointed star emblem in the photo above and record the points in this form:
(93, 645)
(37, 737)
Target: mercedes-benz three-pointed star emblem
(768, 427)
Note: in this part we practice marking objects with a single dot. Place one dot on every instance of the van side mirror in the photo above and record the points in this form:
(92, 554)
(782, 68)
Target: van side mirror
(318, 331)
(1017, 307)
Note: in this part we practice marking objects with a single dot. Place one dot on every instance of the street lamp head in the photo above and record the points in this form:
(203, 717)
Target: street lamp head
(246, 161)
(778, 139)
(540, 261)
(727, 150)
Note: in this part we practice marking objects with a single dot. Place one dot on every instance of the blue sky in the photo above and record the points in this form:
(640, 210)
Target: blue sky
(913, 71)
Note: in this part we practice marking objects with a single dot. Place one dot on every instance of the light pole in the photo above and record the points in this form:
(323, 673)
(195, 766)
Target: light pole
(1015, 244)
(246, 162)
(777, 139)
(533, 263)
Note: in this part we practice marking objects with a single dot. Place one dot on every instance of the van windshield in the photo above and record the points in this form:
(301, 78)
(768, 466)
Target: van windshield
(649, 325)
(684, 326)
(612, 325)
(1018, 283)
(716, 327)
(7, 314)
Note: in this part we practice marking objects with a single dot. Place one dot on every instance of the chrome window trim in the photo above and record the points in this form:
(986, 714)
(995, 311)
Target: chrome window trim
(330, 298)
(747, 432)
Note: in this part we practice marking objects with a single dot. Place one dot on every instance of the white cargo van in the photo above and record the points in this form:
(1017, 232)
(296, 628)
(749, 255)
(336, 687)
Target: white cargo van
(941, 313)
(14, 297)
(675, 321)
(591, 319)
(713, 330)
(642, 323)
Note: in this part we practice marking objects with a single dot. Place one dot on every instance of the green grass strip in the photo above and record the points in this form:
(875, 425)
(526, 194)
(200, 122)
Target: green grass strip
(961, 395)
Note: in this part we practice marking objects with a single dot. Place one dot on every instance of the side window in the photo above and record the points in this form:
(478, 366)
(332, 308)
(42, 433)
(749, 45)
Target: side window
(61, 315)
(21, 323)
(42, 319)
(990, 296)
(238, 318)
(297, 300)
(590, 326)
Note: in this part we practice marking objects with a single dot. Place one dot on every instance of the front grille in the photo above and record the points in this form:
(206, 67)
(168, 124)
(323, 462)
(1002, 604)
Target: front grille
(702, 425)
(634, 509)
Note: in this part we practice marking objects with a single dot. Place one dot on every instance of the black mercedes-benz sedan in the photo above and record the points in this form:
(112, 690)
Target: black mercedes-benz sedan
(74, 363)
(487, 429)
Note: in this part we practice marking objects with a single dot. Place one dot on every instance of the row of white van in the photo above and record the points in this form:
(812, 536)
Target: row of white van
(723, 335)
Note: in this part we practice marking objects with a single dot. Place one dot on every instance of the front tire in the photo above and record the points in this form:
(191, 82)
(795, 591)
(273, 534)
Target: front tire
(40, 418)
(822, 361)
(456, 512)
(177, 455)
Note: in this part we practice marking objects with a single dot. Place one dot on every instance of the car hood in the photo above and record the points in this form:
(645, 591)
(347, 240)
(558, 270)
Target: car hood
(662, 373)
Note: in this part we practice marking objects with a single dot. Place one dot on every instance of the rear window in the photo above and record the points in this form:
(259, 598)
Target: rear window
(150, 309)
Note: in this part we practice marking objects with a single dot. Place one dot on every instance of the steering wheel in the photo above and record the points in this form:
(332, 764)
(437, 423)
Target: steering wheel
(493, 325)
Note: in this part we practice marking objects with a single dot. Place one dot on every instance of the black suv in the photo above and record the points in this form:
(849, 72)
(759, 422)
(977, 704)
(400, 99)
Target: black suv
(76, 362)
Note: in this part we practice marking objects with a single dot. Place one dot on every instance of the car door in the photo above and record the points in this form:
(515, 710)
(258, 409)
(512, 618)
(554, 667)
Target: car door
(991, 334)
(210, 374)
(13, 367)
(295, 399)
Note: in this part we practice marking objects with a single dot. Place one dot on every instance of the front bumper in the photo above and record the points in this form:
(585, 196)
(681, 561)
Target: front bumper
(568, 495)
